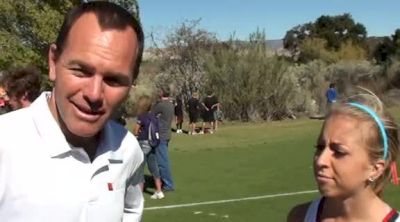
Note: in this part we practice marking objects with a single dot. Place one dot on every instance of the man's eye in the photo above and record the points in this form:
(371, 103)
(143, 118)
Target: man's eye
(80, 72)
(77, 70)
(113, 82)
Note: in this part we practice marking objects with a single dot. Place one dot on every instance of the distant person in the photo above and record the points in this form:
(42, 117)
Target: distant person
(355, 152)
(178, 114)
(217, 113)
(22, 86)
(211, 104)
(164, 109)
(331, 95)
(61, 158)
(3, 101)
(141, 130)
(194, 108)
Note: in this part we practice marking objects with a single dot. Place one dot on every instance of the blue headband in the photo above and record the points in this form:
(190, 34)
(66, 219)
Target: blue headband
(380, 125)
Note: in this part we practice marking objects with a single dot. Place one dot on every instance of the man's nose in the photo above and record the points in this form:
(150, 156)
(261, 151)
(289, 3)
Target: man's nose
(94, 92)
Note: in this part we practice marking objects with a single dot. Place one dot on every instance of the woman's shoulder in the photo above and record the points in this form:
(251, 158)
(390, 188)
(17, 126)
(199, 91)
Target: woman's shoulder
(298, 213)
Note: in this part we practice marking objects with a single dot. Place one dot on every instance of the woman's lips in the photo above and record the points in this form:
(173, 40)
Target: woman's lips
(321, 178)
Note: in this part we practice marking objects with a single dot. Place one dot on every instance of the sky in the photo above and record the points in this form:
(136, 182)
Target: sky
(243, 17)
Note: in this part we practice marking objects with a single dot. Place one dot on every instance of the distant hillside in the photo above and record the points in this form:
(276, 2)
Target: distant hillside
(275, 44)
(372, 42)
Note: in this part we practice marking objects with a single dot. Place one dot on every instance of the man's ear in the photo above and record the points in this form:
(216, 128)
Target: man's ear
(52, 61)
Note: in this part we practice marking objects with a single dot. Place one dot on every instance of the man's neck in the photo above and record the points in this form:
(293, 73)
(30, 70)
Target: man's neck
(88, 144)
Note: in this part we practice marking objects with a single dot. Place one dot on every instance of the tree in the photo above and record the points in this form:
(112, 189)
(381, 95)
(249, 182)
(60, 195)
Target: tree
(131, 5)
(334, 30)
(388, 48)
(338, 29)
(27, 28)
(251, 83)
(183, 58)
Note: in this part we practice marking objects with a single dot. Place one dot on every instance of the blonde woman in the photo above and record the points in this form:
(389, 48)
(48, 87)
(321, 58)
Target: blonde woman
(355, 152)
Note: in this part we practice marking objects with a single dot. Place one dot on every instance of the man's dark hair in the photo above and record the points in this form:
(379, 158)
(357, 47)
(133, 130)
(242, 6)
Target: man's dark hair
(109, 16)
(165, 91)
(21, 82)
(332, 85)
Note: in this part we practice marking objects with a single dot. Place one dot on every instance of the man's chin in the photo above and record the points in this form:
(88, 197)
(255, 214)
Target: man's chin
(85, 130)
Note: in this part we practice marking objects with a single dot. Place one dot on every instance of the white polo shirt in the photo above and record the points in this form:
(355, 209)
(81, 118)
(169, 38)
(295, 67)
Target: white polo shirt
(43, 179)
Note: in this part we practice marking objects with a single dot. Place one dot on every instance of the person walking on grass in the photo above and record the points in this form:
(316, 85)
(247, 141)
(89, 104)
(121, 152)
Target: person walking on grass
(210, 104)
(164, 110)
(354, 159)
(331, 96)
(141, 130)
(194, 107)
(178, 114)
(73, 163)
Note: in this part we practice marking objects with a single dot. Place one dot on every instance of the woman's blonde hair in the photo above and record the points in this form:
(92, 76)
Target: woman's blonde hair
(353, 107)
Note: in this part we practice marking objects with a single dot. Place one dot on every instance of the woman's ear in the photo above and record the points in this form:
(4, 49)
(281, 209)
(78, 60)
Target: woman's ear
(377, 170)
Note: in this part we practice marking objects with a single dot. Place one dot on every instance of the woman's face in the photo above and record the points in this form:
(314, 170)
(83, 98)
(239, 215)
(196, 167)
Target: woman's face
(341, 163)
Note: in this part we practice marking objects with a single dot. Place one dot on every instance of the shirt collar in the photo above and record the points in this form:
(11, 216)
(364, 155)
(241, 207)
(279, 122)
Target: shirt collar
(56, 143)
(47, 127)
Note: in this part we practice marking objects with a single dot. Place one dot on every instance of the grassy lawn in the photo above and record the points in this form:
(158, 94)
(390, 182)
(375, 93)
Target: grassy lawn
(243, 160)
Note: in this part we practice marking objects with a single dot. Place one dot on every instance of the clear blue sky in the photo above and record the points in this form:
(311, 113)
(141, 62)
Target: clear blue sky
(224, 17)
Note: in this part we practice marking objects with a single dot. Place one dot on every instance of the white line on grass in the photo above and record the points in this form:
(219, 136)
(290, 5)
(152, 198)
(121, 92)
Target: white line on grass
(231, 200)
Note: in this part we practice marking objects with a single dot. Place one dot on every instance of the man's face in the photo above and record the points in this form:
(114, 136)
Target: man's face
(92, 75)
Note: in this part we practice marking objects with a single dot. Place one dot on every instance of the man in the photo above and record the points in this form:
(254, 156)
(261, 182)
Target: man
(164, 109)
(178, 114)
(193, 109)
(22, 86)
(211, 105)
(61, 159)
(331, 95)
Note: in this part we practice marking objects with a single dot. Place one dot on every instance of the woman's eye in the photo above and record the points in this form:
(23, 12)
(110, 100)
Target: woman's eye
(339, 152)
(319, 147)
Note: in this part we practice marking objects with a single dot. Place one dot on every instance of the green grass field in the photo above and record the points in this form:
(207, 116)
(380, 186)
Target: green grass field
(238, 162)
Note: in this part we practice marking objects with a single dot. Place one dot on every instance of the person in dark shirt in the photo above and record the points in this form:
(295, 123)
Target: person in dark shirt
(164, 109)
(178, 114)
(211, 105)
(194, 110)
